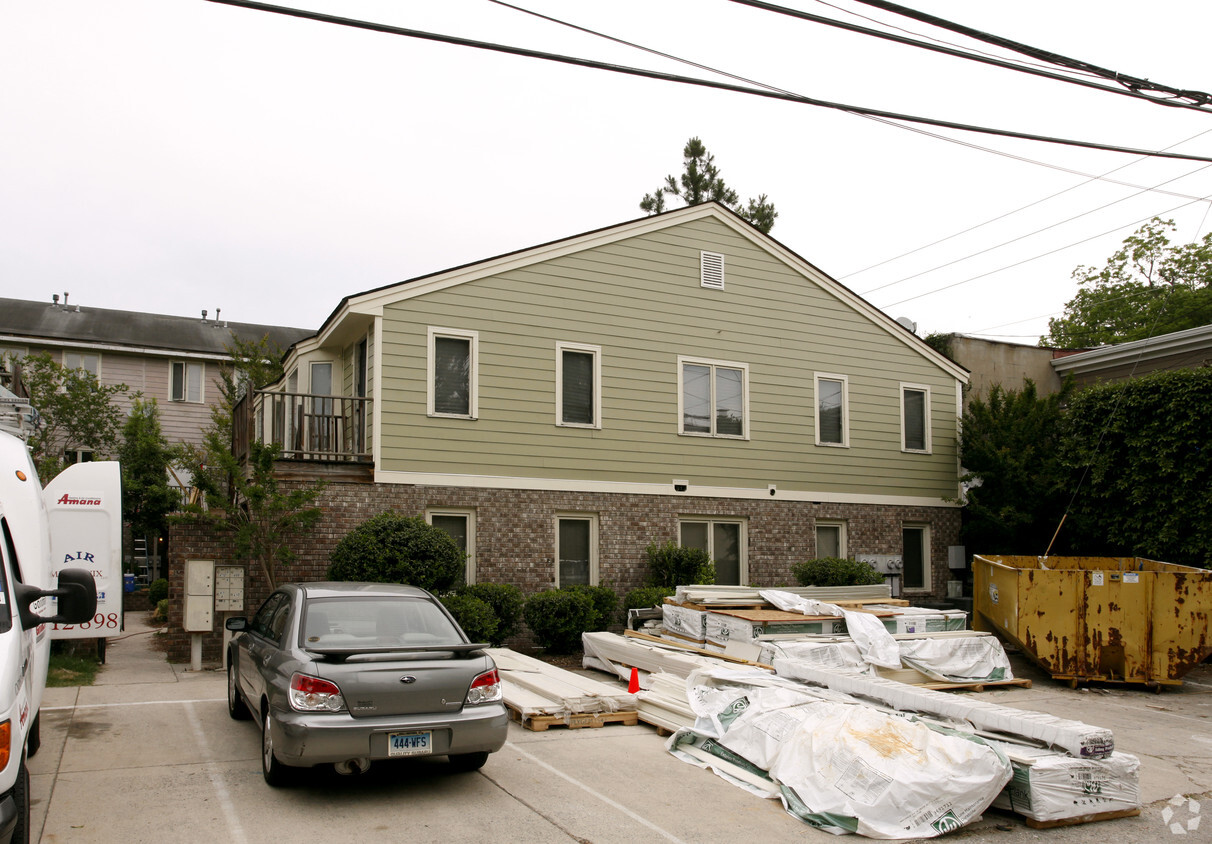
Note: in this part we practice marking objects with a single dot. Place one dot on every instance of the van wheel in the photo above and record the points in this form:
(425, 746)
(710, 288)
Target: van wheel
(21, 798)
(34, 740)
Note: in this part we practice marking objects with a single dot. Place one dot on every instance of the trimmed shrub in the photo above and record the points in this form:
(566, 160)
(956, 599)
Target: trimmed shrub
(476, 617)
(672, 565)
(390, 548)
(646, 597)
(605, 604)
(161, 613)
(558, 617)
(506, 601)
(157, 591)
(834, 571)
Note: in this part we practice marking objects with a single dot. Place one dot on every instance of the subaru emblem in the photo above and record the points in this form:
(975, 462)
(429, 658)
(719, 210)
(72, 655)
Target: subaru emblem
(408, 678)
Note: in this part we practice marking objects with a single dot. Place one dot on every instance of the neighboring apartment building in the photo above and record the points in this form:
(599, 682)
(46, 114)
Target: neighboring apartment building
(172, 359)
(678, 377)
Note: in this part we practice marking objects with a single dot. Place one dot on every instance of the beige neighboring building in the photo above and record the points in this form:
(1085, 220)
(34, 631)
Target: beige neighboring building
(678, 377)
(992, 362)
(173, 359)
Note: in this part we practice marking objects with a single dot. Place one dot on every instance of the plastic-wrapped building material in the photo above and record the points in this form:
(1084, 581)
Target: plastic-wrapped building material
(1051, 787)
(920, 619)
(839, 765)
(957, 659)
(685, 622)
(1072, 737)
(747, 625)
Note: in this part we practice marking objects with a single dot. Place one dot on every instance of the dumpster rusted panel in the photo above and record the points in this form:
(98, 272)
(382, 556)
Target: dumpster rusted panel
(1098, 618)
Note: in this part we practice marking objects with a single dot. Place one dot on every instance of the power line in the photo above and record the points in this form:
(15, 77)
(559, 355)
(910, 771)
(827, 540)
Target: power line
(1088, 179)
(970, 56)
(1133, 84)
(688, 80)
(1037, 231)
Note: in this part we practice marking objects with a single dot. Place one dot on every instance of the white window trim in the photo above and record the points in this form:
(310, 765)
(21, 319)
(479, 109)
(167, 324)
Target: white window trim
(925, 418)
(743, 367)
(742, 537)
(334, 373)
(470, 514)
(66, 352)
(592, 518)
(816, 408)
(473, 399)
(186, 364)
(596, 351)
(842, 539)
(927, 568)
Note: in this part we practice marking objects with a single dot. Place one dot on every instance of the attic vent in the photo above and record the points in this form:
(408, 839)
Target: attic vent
(711, 270)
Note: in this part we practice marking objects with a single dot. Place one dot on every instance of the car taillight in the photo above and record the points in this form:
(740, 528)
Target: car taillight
(6, 743)
(485, 689)
(311, 694)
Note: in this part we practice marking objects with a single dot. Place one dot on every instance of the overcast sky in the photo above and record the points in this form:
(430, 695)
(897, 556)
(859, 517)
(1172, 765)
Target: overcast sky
(171, 156)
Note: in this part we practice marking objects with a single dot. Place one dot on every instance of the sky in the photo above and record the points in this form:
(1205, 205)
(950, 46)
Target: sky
(174, 156)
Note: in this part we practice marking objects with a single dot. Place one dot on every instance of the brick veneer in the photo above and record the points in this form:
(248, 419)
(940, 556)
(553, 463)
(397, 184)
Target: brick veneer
(515, 537)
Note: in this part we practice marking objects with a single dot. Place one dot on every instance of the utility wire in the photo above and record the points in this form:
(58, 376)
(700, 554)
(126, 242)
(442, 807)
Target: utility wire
(1036, 257)
(1131, 83)
(1032, 234)
(1088, 179)
(686, 80)
(970, 56)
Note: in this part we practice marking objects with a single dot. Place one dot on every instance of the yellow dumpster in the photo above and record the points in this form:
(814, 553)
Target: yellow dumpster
(1114, 619)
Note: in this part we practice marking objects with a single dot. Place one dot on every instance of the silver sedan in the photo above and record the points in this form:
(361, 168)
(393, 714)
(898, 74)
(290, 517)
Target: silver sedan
(347, 673)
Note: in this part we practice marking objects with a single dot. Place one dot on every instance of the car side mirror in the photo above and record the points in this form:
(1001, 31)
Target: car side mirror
(236, 624)
(76, 594)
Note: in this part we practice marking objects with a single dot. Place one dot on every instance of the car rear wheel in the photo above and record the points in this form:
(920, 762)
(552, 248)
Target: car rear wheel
(273, 770)
(21, 798)
(468, 761)
(236, 707)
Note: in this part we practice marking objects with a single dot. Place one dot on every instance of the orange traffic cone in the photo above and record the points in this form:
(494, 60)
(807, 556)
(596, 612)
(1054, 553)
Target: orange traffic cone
(634, 685)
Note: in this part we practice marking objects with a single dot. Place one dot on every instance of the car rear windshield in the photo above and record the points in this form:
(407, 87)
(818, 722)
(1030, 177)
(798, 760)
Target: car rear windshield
(383, 622)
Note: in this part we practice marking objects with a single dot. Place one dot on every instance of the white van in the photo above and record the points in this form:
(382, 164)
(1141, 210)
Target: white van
(27, 594)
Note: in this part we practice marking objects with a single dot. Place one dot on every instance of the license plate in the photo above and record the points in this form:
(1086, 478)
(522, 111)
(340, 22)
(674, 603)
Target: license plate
(409, 744)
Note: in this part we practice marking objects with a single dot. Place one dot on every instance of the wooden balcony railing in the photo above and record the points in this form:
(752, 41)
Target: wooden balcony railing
(306, 426)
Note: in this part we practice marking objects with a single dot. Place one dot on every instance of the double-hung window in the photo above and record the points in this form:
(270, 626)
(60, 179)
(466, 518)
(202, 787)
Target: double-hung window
(186, 381)
(578, 385)
(832, 410)
(83, 360)
(713, 398)
(453, 389)
(915, 418)
(460, 524)
(831, 539)
(577, 549)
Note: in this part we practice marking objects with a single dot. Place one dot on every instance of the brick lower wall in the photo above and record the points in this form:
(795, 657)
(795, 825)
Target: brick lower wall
(515, 538)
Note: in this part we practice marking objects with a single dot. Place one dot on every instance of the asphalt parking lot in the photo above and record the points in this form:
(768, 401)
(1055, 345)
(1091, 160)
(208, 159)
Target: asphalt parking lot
(148, 754)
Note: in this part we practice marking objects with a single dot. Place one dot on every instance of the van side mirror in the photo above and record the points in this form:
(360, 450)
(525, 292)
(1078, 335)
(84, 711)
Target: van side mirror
(77, 595)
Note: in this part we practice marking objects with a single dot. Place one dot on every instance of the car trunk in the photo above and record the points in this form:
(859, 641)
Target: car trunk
(395, 686)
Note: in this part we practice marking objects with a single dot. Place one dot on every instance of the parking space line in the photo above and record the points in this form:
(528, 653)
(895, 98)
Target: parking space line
(130, 703)
(234, 829)
(645, 822)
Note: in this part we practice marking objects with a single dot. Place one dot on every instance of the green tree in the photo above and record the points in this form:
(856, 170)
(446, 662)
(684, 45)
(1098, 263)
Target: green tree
(1016, 483)
(1145, 448)
(145, 456)
(75, 411)
(1148, 287)
(701, 182)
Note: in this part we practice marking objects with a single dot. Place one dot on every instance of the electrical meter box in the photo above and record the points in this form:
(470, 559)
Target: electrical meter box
(199, 596)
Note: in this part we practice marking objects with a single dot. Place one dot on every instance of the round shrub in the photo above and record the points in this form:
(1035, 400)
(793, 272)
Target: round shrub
(476, 617)
(646, 597)
(157, 591)
(390, 548)
(161, 611)
(558, 617)
(605, 604)
(672, 565)
(833, 571)
(506, 601)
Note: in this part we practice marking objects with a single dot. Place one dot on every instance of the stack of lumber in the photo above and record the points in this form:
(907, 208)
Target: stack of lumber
(748, 596)
(541, 695)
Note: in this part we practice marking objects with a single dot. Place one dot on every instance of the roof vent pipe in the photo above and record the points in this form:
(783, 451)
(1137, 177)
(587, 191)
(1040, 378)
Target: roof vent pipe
(55, 299)
(65, 299)
(204, 314)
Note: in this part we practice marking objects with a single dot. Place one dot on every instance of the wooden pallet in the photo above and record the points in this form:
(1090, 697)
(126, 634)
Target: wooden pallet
(981, 686)
(1091, 818)
(577, 720)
